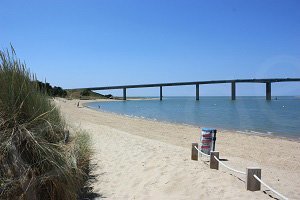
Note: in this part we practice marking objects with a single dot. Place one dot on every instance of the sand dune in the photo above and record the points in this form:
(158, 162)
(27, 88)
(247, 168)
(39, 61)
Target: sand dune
(142, 159)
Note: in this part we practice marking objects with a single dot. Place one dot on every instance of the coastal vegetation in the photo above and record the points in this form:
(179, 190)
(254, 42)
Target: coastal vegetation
(38, 159)
(86, 94)
(51, 91)
(83, 94)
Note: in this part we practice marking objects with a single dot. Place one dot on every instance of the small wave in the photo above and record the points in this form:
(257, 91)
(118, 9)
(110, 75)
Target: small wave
(256, 132)
(241, 132)
(251, 132)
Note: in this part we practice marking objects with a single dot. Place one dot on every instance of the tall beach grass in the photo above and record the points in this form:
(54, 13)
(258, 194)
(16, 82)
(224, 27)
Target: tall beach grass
(35, 162)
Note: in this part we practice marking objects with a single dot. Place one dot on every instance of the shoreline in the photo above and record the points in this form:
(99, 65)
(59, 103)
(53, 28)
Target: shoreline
(143, 159)
(253, 133)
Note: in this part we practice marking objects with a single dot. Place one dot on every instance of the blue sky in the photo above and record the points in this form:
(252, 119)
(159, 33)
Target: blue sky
(113, 42)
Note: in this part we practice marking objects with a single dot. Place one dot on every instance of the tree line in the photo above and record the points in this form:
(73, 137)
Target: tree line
(51, 91)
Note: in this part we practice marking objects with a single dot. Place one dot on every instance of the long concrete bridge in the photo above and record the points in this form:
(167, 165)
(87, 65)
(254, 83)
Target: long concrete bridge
(233, 83)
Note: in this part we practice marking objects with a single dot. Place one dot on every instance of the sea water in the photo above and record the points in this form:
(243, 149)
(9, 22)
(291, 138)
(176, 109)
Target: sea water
(278, 117)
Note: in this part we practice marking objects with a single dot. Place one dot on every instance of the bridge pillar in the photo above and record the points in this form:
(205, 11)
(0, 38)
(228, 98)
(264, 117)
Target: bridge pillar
(124, 93)
(268, 91)
(233, 94)
(160, 96)
(197, 92)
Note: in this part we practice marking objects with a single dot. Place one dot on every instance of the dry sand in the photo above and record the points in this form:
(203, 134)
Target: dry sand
(143, 159)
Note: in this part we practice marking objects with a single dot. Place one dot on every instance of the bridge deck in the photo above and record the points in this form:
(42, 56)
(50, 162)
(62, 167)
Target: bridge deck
(272, 80)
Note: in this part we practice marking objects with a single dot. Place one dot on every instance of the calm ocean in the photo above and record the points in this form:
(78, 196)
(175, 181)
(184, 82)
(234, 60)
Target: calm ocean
(254, 115)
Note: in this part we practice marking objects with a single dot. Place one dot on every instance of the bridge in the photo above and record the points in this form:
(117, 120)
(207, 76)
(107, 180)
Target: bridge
(233, 83)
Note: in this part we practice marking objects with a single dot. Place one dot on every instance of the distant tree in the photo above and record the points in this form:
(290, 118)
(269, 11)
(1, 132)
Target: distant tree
(45, 87)
(58, 92)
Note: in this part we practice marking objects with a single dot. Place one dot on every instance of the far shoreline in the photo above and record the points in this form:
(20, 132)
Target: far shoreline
(220, 129)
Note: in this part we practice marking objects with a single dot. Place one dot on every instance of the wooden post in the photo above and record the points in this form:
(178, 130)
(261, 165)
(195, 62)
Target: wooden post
(251, 183)
(194, 151)
(214, 164)
(124, 93)
(197, 92)
(233, 94)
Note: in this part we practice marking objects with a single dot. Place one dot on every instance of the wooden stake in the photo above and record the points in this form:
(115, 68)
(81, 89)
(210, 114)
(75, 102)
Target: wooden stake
(214, 164)
(251, 183)
(194, 151)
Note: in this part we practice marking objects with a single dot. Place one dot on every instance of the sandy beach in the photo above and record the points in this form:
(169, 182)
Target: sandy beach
(142, 159)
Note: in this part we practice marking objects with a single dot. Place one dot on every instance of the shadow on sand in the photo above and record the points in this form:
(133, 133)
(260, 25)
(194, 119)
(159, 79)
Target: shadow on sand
(87, 193)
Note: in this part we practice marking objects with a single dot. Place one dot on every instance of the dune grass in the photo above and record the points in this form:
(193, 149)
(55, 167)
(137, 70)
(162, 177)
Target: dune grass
(35, 162)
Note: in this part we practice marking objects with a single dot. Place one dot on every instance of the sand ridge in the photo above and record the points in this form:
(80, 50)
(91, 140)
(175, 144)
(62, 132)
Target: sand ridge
(142, 159)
